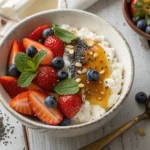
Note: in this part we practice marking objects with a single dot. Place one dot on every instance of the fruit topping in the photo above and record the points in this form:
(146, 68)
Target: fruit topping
(65, 122)
(37, 33)
(47, 32)
(49, 54)
(16, 48)
(92, 75)
(20, 104)
(46, 78)
(141, 24)
(51, 116)
(31, 51)
(147, 29)
(141, 97)
(56, 45)
(132, 6)
(62, 74)
(70, 104)
(41, 41)
(11, 86)
(13, 71)
(58, 63)
(50, 101)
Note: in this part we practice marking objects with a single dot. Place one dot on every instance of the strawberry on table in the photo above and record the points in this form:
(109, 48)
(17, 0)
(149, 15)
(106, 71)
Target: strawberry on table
(20, 104)
(49, 56)
(11, 86)
(46, 78)
(51, 116)
(16, 47)
(56, 45)
(70, 104)
(37, 33)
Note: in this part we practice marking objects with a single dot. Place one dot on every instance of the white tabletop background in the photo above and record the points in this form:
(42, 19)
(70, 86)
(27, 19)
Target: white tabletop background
(130, 140)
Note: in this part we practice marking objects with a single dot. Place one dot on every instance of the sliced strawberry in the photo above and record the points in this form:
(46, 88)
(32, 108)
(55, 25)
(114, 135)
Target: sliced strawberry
(48, 59)
(20, 104)
(11, 86)
(132, 6)
(51, 116)
(37, 33)
(16, 48)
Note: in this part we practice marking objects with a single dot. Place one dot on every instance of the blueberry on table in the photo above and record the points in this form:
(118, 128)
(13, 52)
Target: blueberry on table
(65, 122)
(31, 51)
(50, 102)
(141, 24)
(62, 74)
(92, 75)
(47, 32)
(58, 63)
(141, 97)
(41, 41)
(147, 30)
(13, 71)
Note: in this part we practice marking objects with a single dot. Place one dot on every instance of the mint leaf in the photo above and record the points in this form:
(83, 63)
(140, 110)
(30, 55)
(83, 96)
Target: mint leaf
(39, 57)
(62, 34)
(147, 18)
(26, 78)
(68, 86)
(21, 61)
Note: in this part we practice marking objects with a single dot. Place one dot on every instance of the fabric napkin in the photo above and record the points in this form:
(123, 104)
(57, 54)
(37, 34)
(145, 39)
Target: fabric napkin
(12, 11)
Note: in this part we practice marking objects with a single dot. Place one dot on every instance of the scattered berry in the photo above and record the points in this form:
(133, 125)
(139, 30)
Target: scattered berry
(31, 51)
(41, 41)
(65, 122)
(62, 74)
(70, 104)
(141, 97)
(13, 71)
(92, 75)
(47, 32)
(56, 45)
(58, 63)
(141, 24)
(147, 29)
(50, 102)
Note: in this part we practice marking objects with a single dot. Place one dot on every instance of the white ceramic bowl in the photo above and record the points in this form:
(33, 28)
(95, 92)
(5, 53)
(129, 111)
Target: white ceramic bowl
(75, 18)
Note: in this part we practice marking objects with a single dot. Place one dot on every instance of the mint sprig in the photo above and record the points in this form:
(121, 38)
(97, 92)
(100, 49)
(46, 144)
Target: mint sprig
(63, 35)
(28, 66)
(68, 86)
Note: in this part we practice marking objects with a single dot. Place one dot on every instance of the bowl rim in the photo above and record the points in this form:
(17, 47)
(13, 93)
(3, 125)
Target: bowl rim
(112, 110)
(131, 23)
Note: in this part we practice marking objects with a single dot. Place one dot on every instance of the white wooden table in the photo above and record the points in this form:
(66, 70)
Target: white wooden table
(111, 11)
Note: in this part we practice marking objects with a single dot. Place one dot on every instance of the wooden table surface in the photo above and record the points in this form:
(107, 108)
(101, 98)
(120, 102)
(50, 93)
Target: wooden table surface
(130, 140)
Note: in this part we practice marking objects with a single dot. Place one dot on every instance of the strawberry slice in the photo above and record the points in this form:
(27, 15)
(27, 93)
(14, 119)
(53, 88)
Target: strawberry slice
(37, 33)
(11, 86)
(20, 104)
(51, 116)
(16, 48)
(48, 59)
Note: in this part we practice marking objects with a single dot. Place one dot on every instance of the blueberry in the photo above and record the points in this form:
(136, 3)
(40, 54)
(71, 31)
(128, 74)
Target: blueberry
(50, 102)
(135, 20)
(141, 97)
(92, 75)
(147, 29)
(41, 41)
(47, 32)
(141, 24)
(31, 51)
(13, 71)
(62, 75)
(58, 63)
(65, 122)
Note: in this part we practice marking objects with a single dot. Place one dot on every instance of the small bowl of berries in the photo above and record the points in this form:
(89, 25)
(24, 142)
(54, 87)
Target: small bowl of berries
(137, 14)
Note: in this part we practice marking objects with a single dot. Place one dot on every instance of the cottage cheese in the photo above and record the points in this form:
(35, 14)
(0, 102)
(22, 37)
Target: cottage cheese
(90, 112)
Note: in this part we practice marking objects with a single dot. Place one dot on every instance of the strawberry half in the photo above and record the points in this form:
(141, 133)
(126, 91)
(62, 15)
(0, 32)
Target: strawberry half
(49, 56)
(11, 86)
(16, 48)
(56, 45)
(20, 104)
(70, 104)
(46, 78)
(51, 116)
(37, 33)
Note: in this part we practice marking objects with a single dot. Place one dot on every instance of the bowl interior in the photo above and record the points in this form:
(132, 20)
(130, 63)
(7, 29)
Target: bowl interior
(77, 19)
